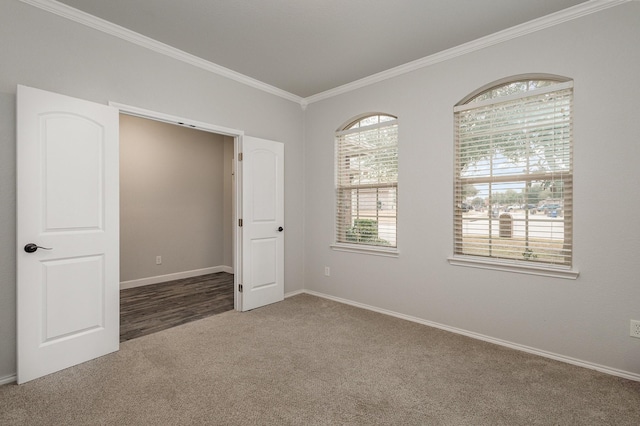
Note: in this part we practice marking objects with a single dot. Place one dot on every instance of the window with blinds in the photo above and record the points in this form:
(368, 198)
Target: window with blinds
(513, 186)
(367, 182)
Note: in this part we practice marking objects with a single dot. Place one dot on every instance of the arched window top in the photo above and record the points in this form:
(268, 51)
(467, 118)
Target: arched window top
(511, 86)
(367, 120)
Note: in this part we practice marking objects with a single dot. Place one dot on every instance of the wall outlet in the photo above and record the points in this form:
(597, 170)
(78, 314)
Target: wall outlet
(327, 271)
(158, 260)
(635, 329)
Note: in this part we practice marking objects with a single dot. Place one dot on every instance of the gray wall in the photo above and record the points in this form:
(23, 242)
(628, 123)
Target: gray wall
(172, 199)
(7, 234)
(42, 50)
(586, 319)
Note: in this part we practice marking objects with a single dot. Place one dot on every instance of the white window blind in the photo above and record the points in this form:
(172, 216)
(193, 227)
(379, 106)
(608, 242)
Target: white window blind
(367, 182)
(514, 174)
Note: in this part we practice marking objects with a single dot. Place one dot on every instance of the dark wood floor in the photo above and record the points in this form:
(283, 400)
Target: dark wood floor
(151, 308)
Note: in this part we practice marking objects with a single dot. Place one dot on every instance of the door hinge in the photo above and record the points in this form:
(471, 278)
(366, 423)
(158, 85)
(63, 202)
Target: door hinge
(240, 288)
(239, 222)
(239, 156)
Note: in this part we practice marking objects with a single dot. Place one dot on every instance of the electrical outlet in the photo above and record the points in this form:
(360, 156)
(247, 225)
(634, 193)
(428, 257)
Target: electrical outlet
(158, 260)
(635, 329)
(327, 271)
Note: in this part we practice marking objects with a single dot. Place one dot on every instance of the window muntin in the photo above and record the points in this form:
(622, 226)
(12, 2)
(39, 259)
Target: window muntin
(367, 182)
(514, 174)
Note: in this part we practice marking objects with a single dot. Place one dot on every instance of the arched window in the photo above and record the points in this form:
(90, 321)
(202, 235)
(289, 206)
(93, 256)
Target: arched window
(514, 173)
(367, 182)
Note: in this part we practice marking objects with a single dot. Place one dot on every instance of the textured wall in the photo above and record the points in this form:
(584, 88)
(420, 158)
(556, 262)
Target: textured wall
(586, 319)
(172, 204)
(7, 235)
(45, 51)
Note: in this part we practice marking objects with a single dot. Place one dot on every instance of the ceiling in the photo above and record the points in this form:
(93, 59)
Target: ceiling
(306, 47)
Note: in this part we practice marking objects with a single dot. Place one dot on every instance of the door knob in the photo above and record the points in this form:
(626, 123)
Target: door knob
(31, 248)
(280, 229)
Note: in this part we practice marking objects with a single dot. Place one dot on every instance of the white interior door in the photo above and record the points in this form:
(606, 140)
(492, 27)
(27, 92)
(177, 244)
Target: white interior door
(67, 202)
(263, 222)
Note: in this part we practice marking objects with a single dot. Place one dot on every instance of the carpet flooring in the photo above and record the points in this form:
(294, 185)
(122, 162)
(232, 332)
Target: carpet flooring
(312, 361)
(152, 308)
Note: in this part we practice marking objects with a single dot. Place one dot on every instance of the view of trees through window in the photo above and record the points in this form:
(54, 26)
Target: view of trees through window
(367, 182)
(514, 182)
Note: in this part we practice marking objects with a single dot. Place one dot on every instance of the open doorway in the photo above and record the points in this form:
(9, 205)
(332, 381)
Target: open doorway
(79, 194)
(176, 225)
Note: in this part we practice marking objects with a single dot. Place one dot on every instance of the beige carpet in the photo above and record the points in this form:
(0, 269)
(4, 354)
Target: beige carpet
(309, 361)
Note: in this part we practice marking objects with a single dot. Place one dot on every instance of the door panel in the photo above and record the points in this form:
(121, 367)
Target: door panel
(67, 203)
(72, 180)
(264, 255)
(264, 167)
(72, 297)
(263, 222)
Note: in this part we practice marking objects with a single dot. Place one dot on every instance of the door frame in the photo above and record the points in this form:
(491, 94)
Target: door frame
(236, 169)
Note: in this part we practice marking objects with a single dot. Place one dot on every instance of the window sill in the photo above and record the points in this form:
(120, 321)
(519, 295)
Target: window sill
(515, 266)
(376, 251)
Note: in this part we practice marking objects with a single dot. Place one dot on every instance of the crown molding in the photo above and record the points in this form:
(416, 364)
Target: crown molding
(99, 24)
(565, 15)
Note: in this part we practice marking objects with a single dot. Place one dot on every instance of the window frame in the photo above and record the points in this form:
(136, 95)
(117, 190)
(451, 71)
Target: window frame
(354, 127)
(561, 270)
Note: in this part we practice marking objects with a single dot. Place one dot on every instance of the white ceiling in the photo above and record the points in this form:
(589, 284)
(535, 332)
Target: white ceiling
(306, 47)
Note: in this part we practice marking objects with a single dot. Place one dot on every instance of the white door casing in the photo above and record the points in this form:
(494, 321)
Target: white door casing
(263, 222)
(68, 201)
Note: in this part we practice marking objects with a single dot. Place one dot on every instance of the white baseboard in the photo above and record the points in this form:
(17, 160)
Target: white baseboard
(293, 293)
(176, 276)
(8, 379)
(569, 360)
